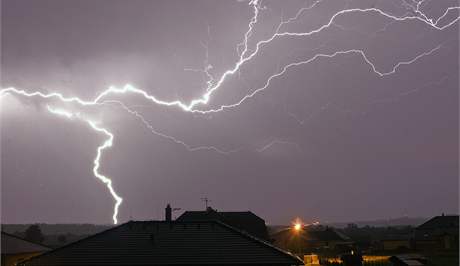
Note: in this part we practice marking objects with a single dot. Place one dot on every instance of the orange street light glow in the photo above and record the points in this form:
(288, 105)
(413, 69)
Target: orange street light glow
(297, 226)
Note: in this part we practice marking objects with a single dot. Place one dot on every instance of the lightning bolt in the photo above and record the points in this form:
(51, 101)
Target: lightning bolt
(204, 99)
(107, 144)
(207, 66)
(277, 141)
(169, 137)
(245, 54)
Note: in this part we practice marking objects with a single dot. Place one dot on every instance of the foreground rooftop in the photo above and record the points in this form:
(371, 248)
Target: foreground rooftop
(168, 243)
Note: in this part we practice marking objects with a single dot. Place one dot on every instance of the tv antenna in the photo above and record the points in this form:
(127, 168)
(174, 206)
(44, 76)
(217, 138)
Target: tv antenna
(206, 201)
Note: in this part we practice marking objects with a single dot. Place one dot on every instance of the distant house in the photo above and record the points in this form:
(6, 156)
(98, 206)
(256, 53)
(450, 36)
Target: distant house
(167, 243)
(397, 242)
(439, 233)
(310, 239)
(245, 221)
(15, 249)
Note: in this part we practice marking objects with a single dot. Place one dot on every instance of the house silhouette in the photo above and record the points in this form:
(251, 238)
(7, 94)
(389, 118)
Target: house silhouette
(438, 233)
(168, 243)
(243, 220)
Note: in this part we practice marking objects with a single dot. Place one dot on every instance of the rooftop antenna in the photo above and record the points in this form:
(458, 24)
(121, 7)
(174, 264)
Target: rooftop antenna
(206, 201)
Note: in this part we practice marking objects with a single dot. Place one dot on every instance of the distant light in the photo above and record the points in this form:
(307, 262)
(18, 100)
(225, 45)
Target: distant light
(297, 226)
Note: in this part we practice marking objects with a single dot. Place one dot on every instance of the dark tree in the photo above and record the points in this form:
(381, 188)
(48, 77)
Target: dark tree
(34, 234)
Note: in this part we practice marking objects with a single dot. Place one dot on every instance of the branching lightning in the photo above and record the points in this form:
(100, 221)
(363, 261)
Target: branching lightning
(168, 137)
(245, 54)
(277, 141)
(107, 144)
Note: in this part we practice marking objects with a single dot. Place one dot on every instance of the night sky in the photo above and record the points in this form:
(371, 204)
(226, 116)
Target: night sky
(328, 140)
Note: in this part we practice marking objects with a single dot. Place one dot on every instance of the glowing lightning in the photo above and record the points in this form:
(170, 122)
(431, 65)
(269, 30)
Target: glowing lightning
(204, 99)
(317, 56)
(163, 135)
(277, 141)
(246, 55)
(107, 144)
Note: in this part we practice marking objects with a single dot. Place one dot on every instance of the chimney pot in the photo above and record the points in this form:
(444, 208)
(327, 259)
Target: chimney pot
(168, 213)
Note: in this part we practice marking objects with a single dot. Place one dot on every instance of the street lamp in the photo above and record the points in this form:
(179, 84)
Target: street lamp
(297, 226)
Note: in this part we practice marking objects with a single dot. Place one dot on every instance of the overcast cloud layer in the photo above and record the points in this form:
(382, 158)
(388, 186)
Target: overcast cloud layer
(328, 141)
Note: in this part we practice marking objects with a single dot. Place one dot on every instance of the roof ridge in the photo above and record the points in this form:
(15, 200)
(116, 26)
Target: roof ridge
(436, 219)
(258, 240)
(248, 211)
(26, 240)
(269, 249)
(74, 243)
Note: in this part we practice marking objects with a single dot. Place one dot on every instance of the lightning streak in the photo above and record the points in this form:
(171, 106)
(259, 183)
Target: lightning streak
(245, 54)
(277, 141)
(318, 56)
(204, 99)
(107, 144)
(298, 14)
(171, 138)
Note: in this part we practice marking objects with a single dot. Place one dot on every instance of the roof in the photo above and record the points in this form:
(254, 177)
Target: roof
(413, 263)
(440, 222)
(245, 221)
(168, 243)
(12, 244)
(409, 260)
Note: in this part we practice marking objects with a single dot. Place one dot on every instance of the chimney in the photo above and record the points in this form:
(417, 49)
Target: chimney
(168, 213)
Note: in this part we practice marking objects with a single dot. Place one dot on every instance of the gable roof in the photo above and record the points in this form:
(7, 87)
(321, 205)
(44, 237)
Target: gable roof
(167, 243)
(409, 259)
(245, 221)
(12, 244)
(440, 222)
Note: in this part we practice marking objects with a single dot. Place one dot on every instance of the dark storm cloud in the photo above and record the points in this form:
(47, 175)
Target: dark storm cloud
(346, 143)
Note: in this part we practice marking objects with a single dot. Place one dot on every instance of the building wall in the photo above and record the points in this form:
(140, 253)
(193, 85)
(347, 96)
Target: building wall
(427, 245)
(396, 244)
(446, 242)
(450, 242)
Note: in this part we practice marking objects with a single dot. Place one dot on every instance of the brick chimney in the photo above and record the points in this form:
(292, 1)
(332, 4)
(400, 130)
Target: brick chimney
(168, 213)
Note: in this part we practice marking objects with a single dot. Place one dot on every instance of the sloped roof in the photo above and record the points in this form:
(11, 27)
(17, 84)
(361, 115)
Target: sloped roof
(245, 221)
(409, 259)
(168, 243)
(12, 244)
(440, 222)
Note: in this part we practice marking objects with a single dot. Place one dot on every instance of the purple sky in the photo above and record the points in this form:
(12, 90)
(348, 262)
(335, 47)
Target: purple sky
(328, 141)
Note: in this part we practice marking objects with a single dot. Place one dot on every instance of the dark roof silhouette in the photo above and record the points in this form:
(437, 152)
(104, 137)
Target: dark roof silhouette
(244, 221)
(167, 243)
(409, 260)
(440, 222)
(12, 244)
